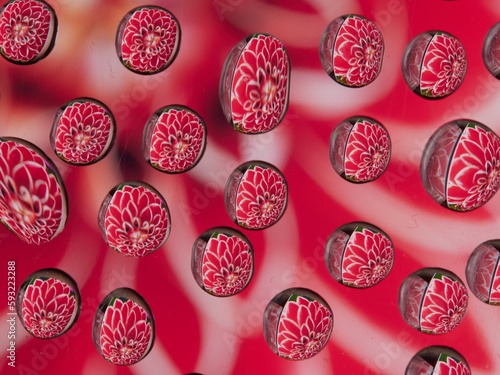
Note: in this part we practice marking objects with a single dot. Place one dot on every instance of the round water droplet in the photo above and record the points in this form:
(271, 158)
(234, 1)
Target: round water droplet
(134, 219)
(433, 300)
(255, 84)
(359, 255)
(460, 167)
(351, 50)
(434, 64)
(222, 261)
(491, 50)
(123, 330)
(437, 360)
(28, 30)
(175, 138)
(83, 131)
(36, 213)
(483, 272)
(290, 314)
(148, 39)
(48, 303)
(256, 195)
(360, 149)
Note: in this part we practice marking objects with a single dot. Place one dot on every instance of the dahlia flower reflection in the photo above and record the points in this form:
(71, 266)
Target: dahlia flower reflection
(32, 196)
(27, 30)
(447, 365)
(148, 39)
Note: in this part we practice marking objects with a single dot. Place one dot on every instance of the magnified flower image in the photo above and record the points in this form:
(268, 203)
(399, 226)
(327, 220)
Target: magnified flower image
(259, 93)
(447, 365)
(136, 220)
(304, 328)
(227, 265)
(27, 29)
(83, 132)
(261, 198)
(126, 333)
(177, 141)
(357, 52)
(148, 39)
(32, 197)
(48, 307)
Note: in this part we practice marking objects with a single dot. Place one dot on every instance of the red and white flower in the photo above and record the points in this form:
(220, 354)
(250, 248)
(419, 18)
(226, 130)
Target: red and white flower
(357, 53)
(84, 132)
(137, 221)
(367, 259)
(447, 365)
(261, 198)
(26, 30)
(443, 66)
(444, 305)
(178, 141)
(474, 172)
(48, 307)
(32, 196)
(149, 39)
(367, 151)
(304, 328)
(495, 286)
(126, 334)
(260, 85)
(227, 265)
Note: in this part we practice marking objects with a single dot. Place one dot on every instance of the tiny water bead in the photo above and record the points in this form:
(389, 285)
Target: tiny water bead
(222, 261)
(483, 272)
(297, 324)
(83, 131)
(460, 167)
(351, 50)
(48, 303)
(134, 219)
(33, 202)
(256, 195)
(123, 330)
(148, 39)
(434, 64)
(255, 84)
(28, 30)
(175, 138)
(433, 300)
(360, 149)
(437, 360)
(359, 255)
(491, 50)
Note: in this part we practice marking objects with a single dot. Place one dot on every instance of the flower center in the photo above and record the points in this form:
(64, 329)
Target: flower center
(20, 30)
(151, 40)
(378, 269)
(266, 207)
(493, 177)
(180, 147)
(138, 236)
(311, 345)
(46, 321)
(126, 350)
(369, 53)
(456, 66)
(82, 139)
(231, 278)
(22, 211)
(268, 89)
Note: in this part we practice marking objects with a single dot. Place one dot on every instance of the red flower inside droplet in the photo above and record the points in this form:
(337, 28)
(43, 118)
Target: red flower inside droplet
(126, 332)
(227, 265)
(48, 307)
(304, 328)
(447, 365)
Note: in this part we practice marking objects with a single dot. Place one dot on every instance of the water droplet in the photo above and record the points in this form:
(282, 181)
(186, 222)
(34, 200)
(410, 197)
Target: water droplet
(437, 360)
(491, 50)
(483, 273)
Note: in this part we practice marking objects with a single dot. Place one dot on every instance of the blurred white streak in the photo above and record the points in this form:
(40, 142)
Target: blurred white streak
(98, 365)
(157, 361)
(118, 271)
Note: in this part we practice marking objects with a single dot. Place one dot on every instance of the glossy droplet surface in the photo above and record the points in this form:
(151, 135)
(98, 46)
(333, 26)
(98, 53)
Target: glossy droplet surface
(359, 255)
(33, 201)
(134, 219)
(437, 360)
(256, 195)
(83, 131)
(434, 64)
(460, 167)
(174, 139)
(491, 50)
(222, 261)
(48, 303)
(148, 39)
(27, 30)
(351, 50)
(255, 84)
(433, 300)
(483, 272)
(123, 329)
(297, 324)
(360, 149)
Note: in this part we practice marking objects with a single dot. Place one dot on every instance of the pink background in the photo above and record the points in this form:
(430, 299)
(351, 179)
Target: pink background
(197, 332)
